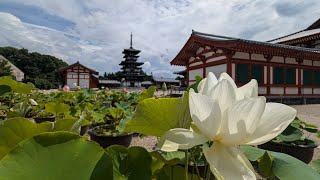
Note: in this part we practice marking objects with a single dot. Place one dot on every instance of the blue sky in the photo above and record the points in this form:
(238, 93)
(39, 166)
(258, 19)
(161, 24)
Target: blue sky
(95, 32)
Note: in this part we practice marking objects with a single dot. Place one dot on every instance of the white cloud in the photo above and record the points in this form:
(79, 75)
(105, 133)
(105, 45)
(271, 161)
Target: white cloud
(160, 27)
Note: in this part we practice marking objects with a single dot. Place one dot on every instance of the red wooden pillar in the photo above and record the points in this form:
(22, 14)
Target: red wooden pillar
(204, 66)
(268, 58)
(187, 75)
(229, 53)
(299, 60)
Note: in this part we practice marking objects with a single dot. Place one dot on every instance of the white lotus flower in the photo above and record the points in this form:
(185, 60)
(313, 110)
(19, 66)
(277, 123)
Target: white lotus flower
(228, 116)
(33, 102)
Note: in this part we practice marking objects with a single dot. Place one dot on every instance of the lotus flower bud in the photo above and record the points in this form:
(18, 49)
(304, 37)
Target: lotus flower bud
(66, 88)
(33, 102)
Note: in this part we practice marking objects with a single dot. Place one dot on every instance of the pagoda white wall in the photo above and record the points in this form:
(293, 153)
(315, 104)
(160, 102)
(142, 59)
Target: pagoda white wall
(194, 73)
(277, 90)
(258, 57)
(217, 70)
(292, 90)
(216, 59)
(195, 64)
(306, 91)
(241, 55)
(262, 90)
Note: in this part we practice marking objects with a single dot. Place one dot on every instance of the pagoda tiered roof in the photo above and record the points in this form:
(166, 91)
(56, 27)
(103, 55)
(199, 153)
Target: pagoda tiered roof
(131, 62)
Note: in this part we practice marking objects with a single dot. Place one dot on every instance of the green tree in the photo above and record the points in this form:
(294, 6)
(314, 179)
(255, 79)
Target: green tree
(5, 68)
(38, 68)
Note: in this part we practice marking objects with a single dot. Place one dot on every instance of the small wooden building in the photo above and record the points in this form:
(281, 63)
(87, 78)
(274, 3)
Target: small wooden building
(80, 75)
(281, 70)
(169, 81)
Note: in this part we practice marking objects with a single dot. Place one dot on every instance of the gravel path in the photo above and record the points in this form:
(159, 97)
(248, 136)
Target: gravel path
(310, 114)
(148, 142)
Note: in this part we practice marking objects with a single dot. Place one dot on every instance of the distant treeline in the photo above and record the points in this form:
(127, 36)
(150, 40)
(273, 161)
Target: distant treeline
(38, 68)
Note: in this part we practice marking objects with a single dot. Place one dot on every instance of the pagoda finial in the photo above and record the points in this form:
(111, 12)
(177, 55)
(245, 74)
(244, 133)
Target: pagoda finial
(131, 40)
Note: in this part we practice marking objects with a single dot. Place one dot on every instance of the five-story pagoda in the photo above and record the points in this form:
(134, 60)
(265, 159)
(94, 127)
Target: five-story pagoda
(132, 74)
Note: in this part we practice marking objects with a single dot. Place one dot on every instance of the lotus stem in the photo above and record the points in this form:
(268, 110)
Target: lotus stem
(186, 164)
(195, 165)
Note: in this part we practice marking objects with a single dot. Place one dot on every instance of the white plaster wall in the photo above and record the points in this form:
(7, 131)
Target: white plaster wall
(191, 59)
(194, 73)
(194, 64)
(291, 90)
(307, 62)
(291, 61)
(316, 91)
(217, 70)
(70, 82)
(277, 90)
(207, 47)
(306, 90)
(216, 59)
(84, 83)
(72, 75)
(265, 74)
(199, 50)
(277, 59)
(316, 63)
(233, 71)
(262, 90)
(219, 51)
(208, 54)
(258, 57)
(241, 55)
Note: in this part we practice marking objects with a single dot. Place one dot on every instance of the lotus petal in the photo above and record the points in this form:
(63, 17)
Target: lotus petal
(205, 113)
(241, 120)
(227, 162)
(274, 121)
(180, 138)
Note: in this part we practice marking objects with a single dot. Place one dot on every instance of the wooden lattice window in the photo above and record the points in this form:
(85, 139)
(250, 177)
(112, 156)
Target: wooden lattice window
(242, 74)
(290, 75)
(278, 75)
(257, 73)
(316, 77)
(307, 77)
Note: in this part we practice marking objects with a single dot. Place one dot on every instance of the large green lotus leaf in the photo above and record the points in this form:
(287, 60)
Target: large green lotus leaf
(130, 163)
(290, 134)
(316, 165)
(56, 155)
(170, 158)
(148, 93)
(155, 116)
(252, 153)
(57, 108)
(15, 86)
(15, 130)
(67, 124)
(4, 89)
(283, 166)
(286, 167)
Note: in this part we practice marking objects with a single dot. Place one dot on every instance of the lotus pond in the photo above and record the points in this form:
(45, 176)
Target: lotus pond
(188, 148)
